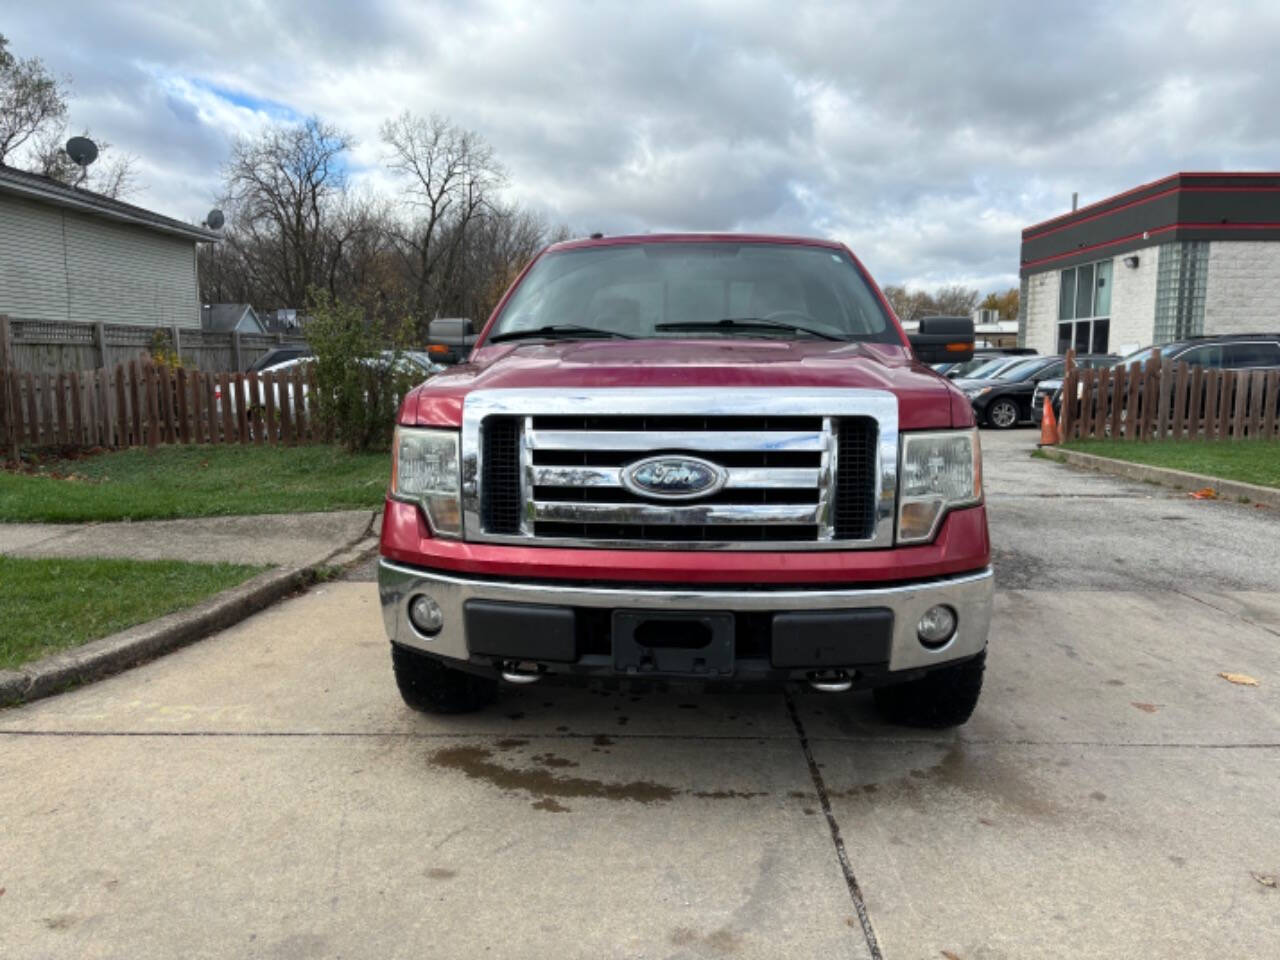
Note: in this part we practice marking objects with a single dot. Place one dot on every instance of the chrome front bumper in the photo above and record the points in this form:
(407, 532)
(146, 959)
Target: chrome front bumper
(969, 595)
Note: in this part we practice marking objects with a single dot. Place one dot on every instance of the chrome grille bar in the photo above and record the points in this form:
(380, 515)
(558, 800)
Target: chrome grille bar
(658, 514)
(654, 440)
(740, 478)
(780, 488)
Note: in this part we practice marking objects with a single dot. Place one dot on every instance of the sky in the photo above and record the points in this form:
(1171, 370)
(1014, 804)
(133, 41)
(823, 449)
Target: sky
(924, 134)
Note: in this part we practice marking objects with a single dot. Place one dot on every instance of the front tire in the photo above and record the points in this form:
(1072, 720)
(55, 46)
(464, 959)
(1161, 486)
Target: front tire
(1002, 414)
(945, 697)
(428, 685)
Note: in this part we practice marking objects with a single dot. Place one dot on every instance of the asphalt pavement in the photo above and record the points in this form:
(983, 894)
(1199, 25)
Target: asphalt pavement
(264, 793)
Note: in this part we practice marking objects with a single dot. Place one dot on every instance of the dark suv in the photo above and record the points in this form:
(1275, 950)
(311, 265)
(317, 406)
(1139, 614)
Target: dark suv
(1230, 351)
(1004, 400)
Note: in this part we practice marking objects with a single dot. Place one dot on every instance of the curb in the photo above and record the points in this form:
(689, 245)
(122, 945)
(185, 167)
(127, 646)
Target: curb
(1180, 479)
(108, 655)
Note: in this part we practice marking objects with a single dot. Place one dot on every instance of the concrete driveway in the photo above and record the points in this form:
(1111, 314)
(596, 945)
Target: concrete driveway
(265, 794)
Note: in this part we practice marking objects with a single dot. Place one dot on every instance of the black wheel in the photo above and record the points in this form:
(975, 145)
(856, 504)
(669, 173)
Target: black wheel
(428, 685)
(1002, 414)
(941, 698)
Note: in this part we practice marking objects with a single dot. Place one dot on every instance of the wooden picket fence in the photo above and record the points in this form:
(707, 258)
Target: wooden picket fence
(146, 405)
(1155, 401)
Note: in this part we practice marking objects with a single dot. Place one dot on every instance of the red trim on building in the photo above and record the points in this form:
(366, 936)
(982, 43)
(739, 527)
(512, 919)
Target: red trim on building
(1146, 234)
(1150, 199)
(1147, 186)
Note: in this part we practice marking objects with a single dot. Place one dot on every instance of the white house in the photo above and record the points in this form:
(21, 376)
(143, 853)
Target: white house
(70, 255)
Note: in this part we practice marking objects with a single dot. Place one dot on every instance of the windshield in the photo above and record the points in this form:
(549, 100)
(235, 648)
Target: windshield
(642, 289)
(1143, 355)
(989, 368)
(1024, 369)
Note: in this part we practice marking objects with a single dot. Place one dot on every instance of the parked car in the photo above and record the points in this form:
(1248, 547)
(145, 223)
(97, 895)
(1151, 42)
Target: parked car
(981, 356)
(628, 479)
(278, 355)
(1003, 400)
(416, 363)
(1051, 386)
(1231, 351)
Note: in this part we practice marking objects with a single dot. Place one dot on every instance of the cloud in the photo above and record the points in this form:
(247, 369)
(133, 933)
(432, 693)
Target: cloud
(926, 135)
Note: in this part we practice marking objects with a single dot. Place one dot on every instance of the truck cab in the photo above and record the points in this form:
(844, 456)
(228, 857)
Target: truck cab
(713, 457)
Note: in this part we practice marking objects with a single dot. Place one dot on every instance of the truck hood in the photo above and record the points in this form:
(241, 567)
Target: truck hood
(924, 398)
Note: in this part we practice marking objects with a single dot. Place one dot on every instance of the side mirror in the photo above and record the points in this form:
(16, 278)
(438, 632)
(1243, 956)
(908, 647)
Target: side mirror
(943, 340)
(450, 339)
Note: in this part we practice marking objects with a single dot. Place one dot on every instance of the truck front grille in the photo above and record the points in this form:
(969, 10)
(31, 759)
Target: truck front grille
(540, 473)
(855, 501)
(500, 437)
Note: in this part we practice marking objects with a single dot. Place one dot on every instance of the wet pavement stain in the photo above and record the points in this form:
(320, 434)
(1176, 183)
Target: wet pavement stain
(730, 794)
(602, 740)
(980, 774)
(551, 760)
(476, 764)
(549, 805)
(441, 873)
(510, 743)
(720, 941)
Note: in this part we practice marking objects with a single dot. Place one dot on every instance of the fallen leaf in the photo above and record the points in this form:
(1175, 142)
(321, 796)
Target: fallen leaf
(1204, 493)
(949, 955)
(1241, 678)
(1266, 879)
(1146, 707)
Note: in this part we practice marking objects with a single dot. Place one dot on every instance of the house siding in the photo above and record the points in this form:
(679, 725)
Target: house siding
(57, 264)
(1243, 289)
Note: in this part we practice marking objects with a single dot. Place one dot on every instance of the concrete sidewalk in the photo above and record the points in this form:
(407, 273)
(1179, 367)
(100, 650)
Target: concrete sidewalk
(283, 540)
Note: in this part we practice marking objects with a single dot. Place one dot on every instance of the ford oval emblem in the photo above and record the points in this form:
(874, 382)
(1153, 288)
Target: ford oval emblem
(674, 478)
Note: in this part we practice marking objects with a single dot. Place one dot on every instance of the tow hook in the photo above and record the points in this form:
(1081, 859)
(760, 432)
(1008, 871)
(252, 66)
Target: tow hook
(521, 671)
(830, 681)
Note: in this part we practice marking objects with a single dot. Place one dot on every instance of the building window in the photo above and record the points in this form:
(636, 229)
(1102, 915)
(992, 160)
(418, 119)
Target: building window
(1084, 308)
(1180, 287)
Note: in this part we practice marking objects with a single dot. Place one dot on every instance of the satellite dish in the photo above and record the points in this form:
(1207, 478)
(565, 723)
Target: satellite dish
(82, 151)
(215, 219)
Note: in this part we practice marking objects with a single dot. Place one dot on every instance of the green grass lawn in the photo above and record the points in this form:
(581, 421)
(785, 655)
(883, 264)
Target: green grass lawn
(1249, 461)
(49, 604)
(194, 481)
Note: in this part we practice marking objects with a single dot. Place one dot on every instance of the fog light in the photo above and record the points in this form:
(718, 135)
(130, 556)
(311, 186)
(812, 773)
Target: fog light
(937, 626)
(425, 615)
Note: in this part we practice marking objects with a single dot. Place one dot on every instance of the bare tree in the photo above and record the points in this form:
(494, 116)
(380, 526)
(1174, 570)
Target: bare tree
(450, 177)
(30, 101)
(911, 305)
(954, 300)
(282, 188)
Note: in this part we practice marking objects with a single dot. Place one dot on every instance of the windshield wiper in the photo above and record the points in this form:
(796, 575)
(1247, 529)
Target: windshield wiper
(746, 323)
(553, 330)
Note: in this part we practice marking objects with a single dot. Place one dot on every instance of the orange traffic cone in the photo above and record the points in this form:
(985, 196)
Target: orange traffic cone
(1049, 433)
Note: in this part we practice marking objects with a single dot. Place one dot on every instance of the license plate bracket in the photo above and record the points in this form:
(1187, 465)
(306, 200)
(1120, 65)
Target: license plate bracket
(673, 643)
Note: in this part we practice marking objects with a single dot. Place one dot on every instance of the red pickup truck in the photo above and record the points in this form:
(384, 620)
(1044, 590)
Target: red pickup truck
(699, 456)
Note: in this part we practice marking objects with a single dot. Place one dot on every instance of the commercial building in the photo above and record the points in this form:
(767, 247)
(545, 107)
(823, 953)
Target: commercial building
(1191, 254)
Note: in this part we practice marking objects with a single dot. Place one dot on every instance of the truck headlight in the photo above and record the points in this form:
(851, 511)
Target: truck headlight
(424, 470)
(940, 471)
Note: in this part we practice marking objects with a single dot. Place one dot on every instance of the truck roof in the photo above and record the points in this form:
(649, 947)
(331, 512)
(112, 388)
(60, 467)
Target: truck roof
(603, 241)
